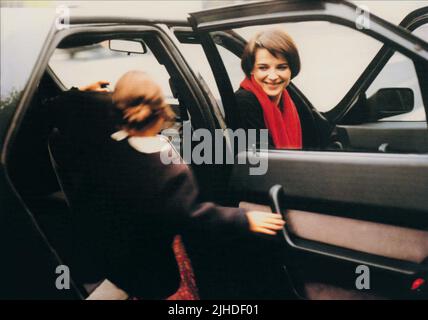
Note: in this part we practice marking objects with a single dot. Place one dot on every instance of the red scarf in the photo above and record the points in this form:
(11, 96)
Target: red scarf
(284, 126)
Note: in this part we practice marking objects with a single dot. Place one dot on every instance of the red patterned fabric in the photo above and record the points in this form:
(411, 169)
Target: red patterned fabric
(188, 289)
(284, 126)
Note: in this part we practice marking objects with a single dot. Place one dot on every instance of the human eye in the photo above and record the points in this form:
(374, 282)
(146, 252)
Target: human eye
(263, 67)
(283, 67)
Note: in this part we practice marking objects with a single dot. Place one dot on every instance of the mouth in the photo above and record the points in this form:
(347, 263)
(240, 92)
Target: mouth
(273, 85)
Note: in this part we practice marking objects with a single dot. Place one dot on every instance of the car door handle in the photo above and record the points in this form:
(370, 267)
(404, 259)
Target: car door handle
(277, 196)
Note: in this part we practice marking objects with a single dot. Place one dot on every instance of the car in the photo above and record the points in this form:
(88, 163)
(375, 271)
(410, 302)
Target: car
(355, 201)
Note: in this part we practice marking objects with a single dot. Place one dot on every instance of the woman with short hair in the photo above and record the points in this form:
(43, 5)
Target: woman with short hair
(270, 60)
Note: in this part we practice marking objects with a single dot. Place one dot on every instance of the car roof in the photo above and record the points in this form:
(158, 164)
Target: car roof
(134, 13)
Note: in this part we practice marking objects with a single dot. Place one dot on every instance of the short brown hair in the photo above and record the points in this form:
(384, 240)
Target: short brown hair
(277, 42)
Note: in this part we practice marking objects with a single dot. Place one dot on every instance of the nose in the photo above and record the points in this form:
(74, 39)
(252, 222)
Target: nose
(272, 75)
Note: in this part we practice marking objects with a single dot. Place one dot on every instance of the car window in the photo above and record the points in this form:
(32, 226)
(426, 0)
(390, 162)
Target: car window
(198, 61)
(400, 72)
(422, 32)
(332, 59)
(83, 65)
(233, 66)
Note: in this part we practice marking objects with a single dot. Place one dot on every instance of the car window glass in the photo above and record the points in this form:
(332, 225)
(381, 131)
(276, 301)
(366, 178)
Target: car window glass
(198, 61)
(233, 66)
(400, 72)
(80, 66)
(332, 59)
(422, 32)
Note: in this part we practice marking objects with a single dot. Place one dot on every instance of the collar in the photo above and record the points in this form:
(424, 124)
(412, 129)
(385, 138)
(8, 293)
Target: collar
(154, 144)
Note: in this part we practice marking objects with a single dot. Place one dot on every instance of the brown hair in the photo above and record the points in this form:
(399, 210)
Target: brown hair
(278, 43)
(139, 102)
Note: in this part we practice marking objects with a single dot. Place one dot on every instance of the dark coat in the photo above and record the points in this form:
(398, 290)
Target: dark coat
(316, 130)
(128, 205)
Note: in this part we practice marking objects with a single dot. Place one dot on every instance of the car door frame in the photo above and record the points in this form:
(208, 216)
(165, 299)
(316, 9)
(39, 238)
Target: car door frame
(411, 22)
(387, 135)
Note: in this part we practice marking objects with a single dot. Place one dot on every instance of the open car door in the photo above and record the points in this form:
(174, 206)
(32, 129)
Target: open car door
(357, 221)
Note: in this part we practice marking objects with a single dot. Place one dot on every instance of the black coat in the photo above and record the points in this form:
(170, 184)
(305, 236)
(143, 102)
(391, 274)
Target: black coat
(127, 205)
(144, 204)
(316, 130)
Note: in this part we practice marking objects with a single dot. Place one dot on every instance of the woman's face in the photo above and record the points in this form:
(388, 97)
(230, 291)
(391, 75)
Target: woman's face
(272, 73)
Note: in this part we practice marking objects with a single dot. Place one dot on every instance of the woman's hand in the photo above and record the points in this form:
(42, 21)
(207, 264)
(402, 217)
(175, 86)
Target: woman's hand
(99, 86)
(265, 222)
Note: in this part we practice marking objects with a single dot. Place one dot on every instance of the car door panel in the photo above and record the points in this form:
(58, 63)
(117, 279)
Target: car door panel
(395, 255)
(393, 240)
(376, 238)
(400, 137)
(384, 180)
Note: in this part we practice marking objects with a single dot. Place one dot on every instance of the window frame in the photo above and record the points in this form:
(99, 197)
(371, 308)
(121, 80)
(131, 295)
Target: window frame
(411, 22)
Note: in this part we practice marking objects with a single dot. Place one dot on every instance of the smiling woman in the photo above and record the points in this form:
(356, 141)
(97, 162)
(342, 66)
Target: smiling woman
(271, 73)
(270, 60)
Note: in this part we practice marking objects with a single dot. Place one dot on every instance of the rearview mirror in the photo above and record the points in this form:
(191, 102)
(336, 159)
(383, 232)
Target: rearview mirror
(128, 46)
(387, 102)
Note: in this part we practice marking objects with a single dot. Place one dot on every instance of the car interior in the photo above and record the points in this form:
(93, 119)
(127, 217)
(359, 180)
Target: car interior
(35, 158)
